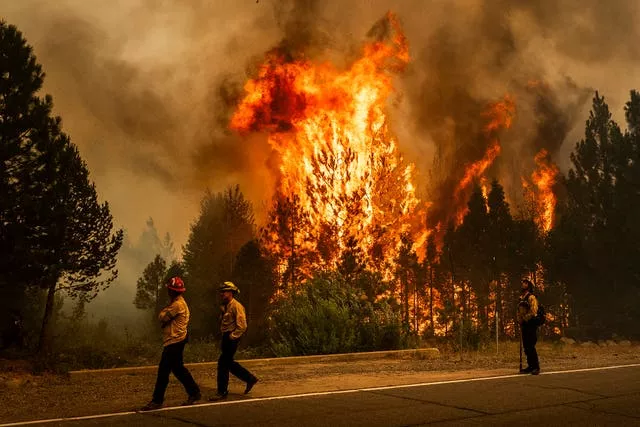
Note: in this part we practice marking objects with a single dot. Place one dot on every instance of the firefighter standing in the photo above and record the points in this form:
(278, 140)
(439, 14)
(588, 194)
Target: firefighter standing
(527, 311)
(233, 326)
(14, 334)
(174, 320)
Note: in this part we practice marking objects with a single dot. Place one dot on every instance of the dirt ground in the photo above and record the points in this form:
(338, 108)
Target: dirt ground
(31, 397)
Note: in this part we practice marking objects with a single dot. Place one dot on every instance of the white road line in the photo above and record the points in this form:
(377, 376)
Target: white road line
(322, 393)
(55, 420)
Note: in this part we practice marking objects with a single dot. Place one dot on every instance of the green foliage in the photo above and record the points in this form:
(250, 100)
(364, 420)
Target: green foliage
(467, 337)
(594, 249)
(253, 273)
(150, 285)
(151, 291)
(176, 269)
(24, 128)
(224, 226)
(58, 236)
(327, 315)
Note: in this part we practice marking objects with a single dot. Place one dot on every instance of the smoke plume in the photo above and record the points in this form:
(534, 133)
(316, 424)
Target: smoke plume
(146, 88)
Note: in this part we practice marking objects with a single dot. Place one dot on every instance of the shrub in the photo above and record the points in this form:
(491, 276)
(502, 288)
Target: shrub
(327, 315)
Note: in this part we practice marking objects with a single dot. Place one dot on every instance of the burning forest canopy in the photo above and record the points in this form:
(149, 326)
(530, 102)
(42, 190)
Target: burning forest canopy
(159, 84)
(342, 183)
(361, 136)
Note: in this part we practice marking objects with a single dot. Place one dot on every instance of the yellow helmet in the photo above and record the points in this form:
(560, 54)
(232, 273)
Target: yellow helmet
(229, 286)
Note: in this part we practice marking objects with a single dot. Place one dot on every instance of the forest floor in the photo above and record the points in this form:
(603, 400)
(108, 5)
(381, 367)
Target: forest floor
(28, 396)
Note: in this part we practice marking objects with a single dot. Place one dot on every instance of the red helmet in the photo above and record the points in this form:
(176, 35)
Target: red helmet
(176, 284)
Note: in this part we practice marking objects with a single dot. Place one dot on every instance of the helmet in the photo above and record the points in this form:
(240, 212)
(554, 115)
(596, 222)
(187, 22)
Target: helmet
(229, 286)
(176, 284)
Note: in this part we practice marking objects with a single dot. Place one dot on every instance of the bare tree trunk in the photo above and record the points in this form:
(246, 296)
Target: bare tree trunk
(48, 311)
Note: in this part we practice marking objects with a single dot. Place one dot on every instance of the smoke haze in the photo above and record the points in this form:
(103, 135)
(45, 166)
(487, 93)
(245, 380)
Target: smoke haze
(146, 88)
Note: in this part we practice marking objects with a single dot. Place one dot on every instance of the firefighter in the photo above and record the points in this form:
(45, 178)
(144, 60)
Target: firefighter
(233, 326)
(527, 311)
(174, 320)
(14, 334)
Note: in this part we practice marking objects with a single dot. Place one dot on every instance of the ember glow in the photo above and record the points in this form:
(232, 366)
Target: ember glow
(544, 178)
(336, 154)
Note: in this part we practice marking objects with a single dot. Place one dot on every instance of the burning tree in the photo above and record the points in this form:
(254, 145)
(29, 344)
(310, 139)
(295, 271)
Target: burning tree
(345, 199)
(540, 190)
(341, 178)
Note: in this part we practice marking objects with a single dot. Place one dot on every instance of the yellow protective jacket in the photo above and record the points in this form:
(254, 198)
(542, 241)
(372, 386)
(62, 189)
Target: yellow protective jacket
(174, 320)
(234, 319)
(527, 307)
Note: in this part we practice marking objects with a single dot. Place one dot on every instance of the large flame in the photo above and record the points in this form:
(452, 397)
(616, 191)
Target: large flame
(338, 161)
(499, 116)
(544, 178)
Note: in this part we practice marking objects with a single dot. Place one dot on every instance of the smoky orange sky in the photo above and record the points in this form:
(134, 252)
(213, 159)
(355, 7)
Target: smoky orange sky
(145, 88)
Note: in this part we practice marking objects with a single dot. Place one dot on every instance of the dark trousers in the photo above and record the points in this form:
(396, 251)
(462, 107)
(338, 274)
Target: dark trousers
(529, 339)
(226, 364)
(171, 361)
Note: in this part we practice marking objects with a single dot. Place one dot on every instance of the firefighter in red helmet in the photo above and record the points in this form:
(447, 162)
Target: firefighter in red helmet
(174, 320)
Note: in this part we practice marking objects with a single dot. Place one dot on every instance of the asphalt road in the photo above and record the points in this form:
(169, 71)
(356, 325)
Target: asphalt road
(591, 397)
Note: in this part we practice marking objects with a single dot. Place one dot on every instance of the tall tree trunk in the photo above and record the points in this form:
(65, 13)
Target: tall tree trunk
(415, 308)
(48, 311)
(499, 319)
(293, 251)
(406, 304)
(433, 328)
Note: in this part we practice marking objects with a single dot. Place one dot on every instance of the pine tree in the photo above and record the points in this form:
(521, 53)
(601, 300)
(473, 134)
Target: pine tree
(150, 244)
(254, 274)
(430, 269)
(224, 225)
(286, 239)
(500, 238)
(592, 238)
(150, 286)
(351, 264)
(58, 236)
(475, 252)
(176, 269)
(407, 274)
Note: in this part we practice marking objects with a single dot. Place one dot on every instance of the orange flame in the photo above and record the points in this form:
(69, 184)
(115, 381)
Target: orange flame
(335, 150)
(544, 178)
(485, 191)
(500, 116)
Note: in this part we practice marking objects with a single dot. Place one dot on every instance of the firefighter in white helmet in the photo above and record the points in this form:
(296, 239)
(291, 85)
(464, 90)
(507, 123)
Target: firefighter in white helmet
(233, 326)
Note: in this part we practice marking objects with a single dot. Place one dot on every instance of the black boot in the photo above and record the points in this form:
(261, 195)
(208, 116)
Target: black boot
(219, 396)
(250, 385)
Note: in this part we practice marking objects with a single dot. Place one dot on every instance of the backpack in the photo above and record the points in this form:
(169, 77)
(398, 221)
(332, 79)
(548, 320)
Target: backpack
(541, 315)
